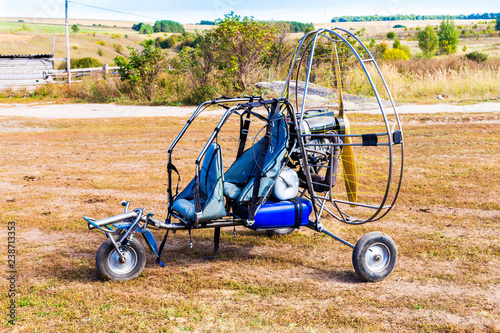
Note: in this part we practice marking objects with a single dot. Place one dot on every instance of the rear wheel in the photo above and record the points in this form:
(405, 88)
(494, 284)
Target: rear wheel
(374, 257)
(110, 265)
(280, 232)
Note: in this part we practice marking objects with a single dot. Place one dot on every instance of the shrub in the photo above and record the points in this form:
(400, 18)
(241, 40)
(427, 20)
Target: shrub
(159, 41)
(405, 49)
(189, 41)
(395, 54)
(99, 52)
(118, 47)
(391, 35)
(75, 28)
(86, 62)
(379, 50)
(399, 26)
(167, 43)
(101, 42)
(143, 68)
(477, 56)
(308, 30)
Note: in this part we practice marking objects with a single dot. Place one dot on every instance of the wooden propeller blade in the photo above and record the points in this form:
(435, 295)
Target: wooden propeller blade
(348, 161)
(349, 165)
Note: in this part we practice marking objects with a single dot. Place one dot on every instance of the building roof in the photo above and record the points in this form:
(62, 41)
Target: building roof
(26, 55)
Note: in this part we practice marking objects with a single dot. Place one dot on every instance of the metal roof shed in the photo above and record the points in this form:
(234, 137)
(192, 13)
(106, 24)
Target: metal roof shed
(24, 70)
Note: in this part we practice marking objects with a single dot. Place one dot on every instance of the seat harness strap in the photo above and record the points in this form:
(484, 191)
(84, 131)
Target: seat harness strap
(244, 126)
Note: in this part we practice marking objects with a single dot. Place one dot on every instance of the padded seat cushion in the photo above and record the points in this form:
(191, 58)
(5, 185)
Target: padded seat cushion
(231, 190)
(184, 208)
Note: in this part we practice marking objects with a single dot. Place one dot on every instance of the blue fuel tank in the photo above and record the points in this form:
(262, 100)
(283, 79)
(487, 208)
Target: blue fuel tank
(278, 214)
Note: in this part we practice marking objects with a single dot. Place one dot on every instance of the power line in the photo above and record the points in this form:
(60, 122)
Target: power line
(111, 10)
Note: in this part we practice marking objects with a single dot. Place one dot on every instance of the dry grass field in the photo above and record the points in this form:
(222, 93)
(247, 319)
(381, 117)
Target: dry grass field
(446, 225)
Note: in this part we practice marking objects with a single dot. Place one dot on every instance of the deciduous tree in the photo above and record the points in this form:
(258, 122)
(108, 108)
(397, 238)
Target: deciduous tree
(448, 37)
(427, 41)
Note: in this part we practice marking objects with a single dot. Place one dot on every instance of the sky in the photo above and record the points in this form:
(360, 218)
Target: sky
(193, 11)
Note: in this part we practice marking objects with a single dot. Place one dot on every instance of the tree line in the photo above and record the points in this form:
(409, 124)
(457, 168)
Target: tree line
(159, 26)
(400, 17)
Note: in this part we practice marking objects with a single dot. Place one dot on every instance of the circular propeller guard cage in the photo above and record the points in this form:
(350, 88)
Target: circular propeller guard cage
(333, 75)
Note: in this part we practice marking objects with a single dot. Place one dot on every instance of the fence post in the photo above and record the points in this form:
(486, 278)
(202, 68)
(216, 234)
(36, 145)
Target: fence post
(105, 72)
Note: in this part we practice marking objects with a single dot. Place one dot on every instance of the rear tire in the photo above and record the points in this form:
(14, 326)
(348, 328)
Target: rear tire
(280, 232)
(374, 257)
(108, 261)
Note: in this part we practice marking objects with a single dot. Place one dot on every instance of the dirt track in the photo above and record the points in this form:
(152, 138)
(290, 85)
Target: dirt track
(81, 111)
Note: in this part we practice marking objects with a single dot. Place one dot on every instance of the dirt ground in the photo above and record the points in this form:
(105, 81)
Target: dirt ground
(446, 225)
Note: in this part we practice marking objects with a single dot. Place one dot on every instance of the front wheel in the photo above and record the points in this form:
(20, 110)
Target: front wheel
(374, 257)
(111, 267)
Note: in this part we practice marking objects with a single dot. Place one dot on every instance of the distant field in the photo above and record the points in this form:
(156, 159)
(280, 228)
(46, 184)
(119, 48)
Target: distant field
(38, 37)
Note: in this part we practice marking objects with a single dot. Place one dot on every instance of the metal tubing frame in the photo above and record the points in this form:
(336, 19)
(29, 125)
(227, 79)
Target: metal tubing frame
(138, 215)
(311, 38)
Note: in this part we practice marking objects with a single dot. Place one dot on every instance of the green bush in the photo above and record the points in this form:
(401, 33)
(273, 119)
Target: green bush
(86, 62)
(159, 41)
(143, 68)
(169, 42)
(118, 47)
(477, 56)
(391, 35)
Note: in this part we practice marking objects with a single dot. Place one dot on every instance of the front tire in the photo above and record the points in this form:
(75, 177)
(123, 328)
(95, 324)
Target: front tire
(374, 257)
(108, 261)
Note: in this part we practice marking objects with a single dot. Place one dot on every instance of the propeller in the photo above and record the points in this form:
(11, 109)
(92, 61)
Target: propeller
(351, 175)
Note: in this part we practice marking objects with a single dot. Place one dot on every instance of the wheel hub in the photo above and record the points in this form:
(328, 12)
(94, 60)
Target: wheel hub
(377, 257)
(117, 265)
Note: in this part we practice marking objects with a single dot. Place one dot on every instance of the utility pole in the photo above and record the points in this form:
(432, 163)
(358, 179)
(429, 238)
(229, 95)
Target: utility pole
(68, 64)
